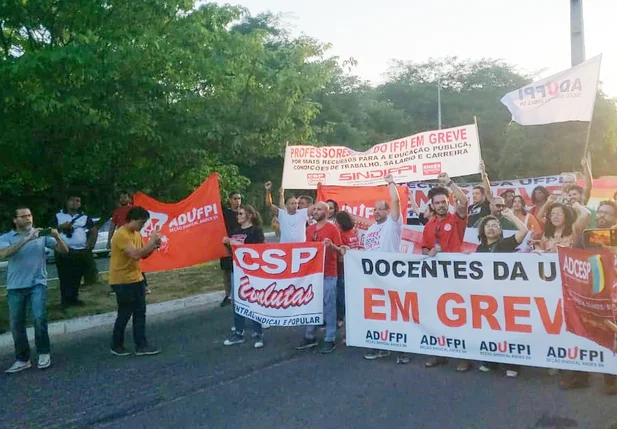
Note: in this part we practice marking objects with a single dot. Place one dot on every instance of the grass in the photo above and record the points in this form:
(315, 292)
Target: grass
(165, 286)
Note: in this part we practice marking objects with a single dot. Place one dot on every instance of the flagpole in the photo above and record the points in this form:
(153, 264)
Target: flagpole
(588, 139)
(439, 103)
(475, 121)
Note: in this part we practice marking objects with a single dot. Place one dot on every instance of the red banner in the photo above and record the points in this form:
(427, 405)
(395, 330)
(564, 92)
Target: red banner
(587, 279)
(360, 200)
(192, 230)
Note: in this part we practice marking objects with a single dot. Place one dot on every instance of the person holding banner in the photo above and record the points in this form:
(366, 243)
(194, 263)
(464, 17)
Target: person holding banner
(561, 227)
(444, 233)
(385, 236)
(325, 232)
(350, 239)
(481, 199)
(539, 198)
(491, 239)
(292, 221)
(230, 215)
(249, 232)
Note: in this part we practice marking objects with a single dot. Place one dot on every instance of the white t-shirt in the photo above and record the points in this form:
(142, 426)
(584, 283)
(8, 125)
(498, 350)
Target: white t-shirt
(385, 236)
(293, 227)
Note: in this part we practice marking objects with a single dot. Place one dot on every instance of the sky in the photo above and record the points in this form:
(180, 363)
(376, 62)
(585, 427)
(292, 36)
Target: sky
(532, 35)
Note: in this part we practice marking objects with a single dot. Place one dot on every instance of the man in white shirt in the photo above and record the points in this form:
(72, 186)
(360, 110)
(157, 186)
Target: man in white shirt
(292, 221)
(385, 236)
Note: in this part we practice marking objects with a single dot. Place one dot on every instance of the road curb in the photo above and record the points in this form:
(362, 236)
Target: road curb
(64, 327)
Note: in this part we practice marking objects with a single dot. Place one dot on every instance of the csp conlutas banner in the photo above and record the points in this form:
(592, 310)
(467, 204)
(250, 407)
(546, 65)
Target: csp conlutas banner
(485, 307)
(422, 156)
(279, 284)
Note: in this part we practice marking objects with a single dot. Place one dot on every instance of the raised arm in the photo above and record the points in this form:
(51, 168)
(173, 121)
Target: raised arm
(586, 164)
(273, 207)
(486, 182)
(395, 200)
(521, 229)
(582, 220)
(459, 195)
(146, 250)
(8, 251)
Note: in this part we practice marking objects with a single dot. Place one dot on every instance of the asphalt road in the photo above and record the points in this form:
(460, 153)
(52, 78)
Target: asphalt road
(197, 382)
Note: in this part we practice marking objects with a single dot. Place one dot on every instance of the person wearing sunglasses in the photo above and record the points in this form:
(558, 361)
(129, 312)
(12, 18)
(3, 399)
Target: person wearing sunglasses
(327, 233)
(249, 231)
(497, 206)
(444, 233)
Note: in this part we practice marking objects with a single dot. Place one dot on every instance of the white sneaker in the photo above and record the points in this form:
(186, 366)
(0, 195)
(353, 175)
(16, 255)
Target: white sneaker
(18, 366)
(259, 343)
(44, 361)
(511, 373)
(265, 326)
(484, 368)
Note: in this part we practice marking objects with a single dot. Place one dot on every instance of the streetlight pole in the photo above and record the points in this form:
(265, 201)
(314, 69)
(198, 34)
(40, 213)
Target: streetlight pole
(577, 32)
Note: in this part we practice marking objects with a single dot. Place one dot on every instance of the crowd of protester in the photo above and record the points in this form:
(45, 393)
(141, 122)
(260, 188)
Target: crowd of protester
(552, 221)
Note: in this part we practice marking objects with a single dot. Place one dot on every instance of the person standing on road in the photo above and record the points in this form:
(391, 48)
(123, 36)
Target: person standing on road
(292, 221)
(79, 233)
(491, 239)
(326, 232)
(385, 236)
(230, 214)
(350, 239)
(24, 247)
(445, 233)
(125, 278)
(248, 232)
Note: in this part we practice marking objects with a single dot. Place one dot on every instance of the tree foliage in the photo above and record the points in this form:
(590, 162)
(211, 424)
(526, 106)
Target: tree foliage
(157, 95)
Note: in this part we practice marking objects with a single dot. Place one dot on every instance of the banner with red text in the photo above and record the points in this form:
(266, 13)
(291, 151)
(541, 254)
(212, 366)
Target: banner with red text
(587, 280)
(422, 156)
(360, 201)
(603, 189)
(192, 229)
(483, 307)
(279, 284)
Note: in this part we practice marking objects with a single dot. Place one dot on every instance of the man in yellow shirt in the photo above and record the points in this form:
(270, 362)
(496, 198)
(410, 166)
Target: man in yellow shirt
(125, 278)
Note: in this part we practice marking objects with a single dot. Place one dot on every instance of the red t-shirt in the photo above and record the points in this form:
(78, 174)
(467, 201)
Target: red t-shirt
(119, 215)
(327, 231)
(450, 232)
(350, 238)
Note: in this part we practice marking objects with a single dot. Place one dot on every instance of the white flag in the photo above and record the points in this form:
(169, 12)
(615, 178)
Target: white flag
(566, 96)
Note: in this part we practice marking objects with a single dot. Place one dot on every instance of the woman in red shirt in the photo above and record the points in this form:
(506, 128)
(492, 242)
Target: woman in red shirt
(350, 239)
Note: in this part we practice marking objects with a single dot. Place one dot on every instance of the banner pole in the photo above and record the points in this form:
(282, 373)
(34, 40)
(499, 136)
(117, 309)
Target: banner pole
(587, 141)
(475, 121)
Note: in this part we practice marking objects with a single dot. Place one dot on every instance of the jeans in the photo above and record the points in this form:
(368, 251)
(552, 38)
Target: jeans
(18, 302)
(329, 311)
(239, 321)
(71, 268)
(131, 300)
(340, 298)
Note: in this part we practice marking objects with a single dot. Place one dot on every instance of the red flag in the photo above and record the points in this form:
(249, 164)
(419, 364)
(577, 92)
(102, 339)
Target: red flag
(192, 230)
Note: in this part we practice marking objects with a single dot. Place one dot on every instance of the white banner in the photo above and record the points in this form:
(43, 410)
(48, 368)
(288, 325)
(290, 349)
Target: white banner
(422, 156)
(279, 284)
(566, 96)
(483, 307)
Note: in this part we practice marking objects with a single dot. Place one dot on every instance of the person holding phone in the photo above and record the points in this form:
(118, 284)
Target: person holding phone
(127, 281)
(24, 247)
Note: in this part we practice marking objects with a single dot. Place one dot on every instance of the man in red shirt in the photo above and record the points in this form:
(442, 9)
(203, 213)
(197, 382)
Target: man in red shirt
(329, 234)
(118, 217)
(444, 233)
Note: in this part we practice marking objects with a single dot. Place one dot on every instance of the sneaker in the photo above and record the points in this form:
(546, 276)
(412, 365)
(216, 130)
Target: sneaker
(225, 302)
(340, 324)
(44, 361)
(485, 368)
(403, 358)
(259, 341)
(463, 366)
(120, 351)
(18, 366)
(147, 351)
(327, 347)
(376, 354)
(306, 344)
(234, 338)
(265, 326)
(511, 373)
(435, 361)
